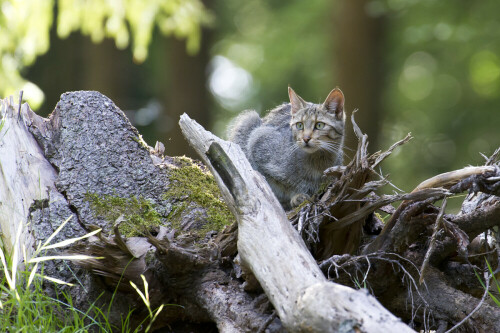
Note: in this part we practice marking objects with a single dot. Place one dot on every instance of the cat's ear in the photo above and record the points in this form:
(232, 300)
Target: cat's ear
(296, 101)
(334, 103)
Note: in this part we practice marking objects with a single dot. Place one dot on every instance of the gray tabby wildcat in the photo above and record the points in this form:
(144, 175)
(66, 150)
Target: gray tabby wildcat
(293, 144)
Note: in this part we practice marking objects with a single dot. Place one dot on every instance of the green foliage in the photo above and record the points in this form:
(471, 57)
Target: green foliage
(495, 282)
(24, 306)
(28, 309)
(440, 72)
(193, 184)
(134, 214)
(25, 27)
(145, 298)
(382, 218)
(443, 85)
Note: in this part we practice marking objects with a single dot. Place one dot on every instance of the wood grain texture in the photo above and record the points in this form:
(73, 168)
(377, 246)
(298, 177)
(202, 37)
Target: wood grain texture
(268, 245)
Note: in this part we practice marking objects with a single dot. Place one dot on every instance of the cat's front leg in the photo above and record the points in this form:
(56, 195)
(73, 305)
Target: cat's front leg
(299, 198)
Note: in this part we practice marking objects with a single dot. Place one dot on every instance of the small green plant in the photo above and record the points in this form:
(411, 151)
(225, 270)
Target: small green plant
(23, 305)
(31, 310)
(382, 218)
(11, 277)
(495, 282)
(145, 298)
(360, 285)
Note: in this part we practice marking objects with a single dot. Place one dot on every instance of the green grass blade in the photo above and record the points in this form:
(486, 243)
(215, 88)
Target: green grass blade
(55, 280)
(64, 257)
(6, 270)
(32, 275)
(70, 241)
(56, 232)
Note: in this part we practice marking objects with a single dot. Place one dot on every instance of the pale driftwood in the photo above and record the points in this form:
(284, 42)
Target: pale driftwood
(268, 245)
(452, 177)
(26, 177)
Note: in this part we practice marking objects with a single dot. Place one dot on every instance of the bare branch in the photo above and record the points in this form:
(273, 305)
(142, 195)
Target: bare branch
(432, 243)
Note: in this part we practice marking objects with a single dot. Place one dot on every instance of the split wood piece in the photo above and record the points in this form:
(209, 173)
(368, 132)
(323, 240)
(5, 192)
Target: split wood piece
(25, 175)
(268, 245)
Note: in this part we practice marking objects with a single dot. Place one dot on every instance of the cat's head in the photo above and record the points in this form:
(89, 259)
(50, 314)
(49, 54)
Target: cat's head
(318, 127)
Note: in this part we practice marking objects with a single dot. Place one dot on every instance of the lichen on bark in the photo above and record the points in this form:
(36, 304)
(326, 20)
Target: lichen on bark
(133, 215)
(192, 183)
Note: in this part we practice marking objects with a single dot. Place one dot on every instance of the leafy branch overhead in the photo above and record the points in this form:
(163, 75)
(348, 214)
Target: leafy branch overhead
(26, 26)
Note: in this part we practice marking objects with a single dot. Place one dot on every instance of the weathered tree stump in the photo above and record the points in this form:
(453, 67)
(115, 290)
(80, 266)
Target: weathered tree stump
(231, 258)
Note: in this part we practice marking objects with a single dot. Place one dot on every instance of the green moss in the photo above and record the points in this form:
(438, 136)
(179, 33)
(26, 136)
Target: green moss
(138, 213)
(140, 141)
(324, 186)
(302, 204)
(193, 184)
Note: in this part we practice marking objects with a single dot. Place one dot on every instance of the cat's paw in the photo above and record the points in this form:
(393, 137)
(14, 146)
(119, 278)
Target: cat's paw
(297, 199)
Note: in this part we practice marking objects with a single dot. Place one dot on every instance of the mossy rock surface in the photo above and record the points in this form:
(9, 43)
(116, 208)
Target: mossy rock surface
(193, 185)
(196, 204)
(133, 215)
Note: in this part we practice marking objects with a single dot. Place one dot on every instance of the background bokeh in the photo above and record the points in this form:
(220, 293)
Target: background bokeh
(427, 67)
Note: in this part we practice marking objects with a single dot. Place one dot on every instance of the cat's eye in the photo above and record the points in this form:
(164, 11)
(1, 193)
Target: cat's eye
(299, 126)
(319, 125)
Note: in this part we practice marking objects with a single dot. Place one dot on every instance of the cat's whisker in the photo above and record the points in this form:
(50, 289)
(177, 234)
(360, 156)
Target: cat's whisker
(344, 154)
(339, 149)
(333, 144)
(333, 147)
(347, 148)
(332, 151)
(329, 149)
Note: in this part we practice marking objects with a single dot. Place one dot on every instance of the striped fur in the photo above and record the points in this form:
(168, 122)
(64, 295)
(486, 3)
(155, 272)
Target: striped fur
(289, 147)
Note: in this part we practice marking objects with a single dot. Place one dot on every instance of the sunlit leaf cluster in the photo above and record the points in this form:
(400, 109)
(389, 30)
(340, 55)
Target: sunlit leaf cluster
(24, 34)
(25, 30)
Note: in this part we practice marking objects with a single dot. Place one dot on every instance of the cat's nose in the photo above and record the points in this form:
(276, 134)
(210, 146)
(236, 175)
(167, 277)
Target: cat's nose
(306, 139)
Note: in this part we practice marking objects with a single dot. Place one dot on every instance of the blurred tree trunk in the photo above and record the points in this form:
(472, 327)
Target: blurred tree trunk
(108, 70)
(59, 70)
(76, 63)
(359, 64)
(186, 92)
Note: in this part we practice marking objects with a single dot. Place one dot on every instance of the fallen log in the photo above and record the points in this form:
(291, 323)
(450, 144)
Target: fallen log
(258, 274)
(105, 176)
(275, 253)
